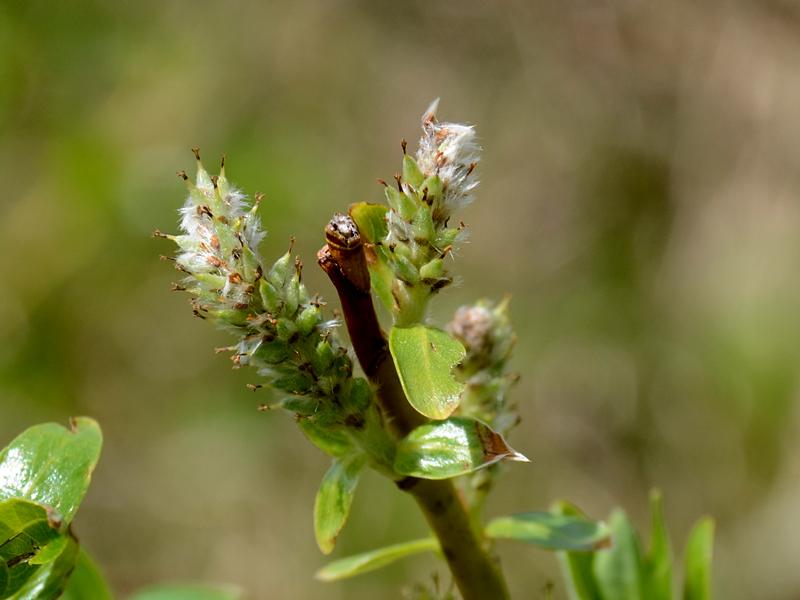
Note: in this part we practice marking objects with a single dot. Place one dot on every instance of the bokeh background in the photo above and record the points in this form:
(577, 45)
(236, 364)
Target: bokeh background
(640, 200)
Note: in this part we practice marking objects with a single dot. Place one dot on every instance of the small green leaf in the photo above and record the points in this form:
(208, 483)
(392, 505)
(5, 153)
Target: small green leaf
(424, 358)
(658, 565)
(27, 534)
(334, 442)
(577, 566)
(699, 550)
(456, 446)
(188, 592)
(51, 465)
(370, 220)
(551, 531)
(86, 581)
(381, 275)
(49, 580)
(618, 570)
(411, 172)
(334, 498)
(374, 559)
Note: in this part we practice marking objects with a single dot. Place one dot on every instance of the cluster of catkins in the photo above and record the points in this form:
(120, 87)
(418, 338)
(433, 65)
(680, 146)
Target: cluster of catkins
(281, 329)
(420, 235)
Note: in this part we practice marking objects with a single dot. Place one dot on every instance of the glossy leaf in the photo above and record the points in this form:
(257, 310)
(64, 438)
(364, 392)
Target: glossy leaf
(374, 559)
(658, 565)
(551, 531)
(49, 579)
(699, 550)
(86, 581)
(51, 465)
(618, 570)
(456, 446)
(371, 220)
(188, 592)
(26, 531)
(334, 498)
(424, 358)
(577, 566)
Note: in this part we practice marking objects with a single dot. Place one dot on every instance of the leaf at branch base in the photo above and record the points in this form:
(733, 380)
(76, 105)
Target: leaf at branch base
(188, 592)
(449, 448)
(374, 559)
(87, 581)
(577, 566)
(551, 531)
(335, 495)
(370, 220)
(699, 550)
(51, 465)
(424, 358)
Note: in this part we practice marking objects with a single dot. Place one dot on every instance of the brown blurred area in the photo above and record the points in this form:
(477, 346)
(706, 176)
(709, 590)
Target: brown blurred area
(640, 200)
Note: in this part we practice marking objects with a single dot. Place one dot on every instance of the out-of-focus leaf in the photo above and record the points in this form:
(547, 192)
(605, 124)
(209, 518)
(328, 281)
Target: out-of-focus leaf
(452, 447)
(551, 531)
(618, 570)
(86, 581)
(658, 565)
(699, 550)
(374, 559)
(188, 592)
(424, 358)
(334, 498)
(577, 566)
(27, 535)
(371, 220)
(51, 465)
(49, 579)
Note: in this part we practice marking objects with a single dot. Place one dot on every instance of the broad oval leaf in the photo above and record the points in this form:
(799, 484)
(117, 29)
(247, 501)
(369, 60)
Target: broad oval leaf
(188, 592)
(335, 495)
(619, 570)
(374, 559)
(551, 531)
(87, 581)
(51, 465)
(449, 448)
(699, 550)
(424, 358)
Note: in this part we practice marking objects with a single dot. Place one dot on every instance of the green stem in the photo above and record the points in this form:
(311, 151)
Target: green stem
(475, 572)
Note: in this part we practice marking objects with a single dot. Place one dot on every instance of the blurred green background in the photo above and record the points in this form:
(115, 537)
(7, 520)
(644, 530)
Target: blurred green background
(639, 199)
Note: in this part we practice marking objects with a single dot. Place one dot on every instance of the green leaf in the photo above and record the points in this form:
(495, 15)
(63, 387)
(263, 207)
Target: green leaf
(49, 579)
(374, 559)
(51, 465)
(411, 172)
(658, 566)
(381, 275)
(370, 220)
(699, 550)
(456, 446)
(334, 442)
(424, 358)
(551, 531)
(334, 498)
(188, 592)
(86, 581)
(577, 566)
(618, 570)
(27, 533)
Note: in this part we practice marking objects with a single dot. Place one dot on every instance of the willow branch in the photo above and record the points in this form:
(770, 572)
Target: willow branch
(475, 572)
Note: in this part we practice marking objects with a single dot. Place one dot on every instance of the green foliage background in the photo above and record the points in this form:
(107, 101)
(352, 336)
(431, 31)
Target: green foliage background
(640, 201)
